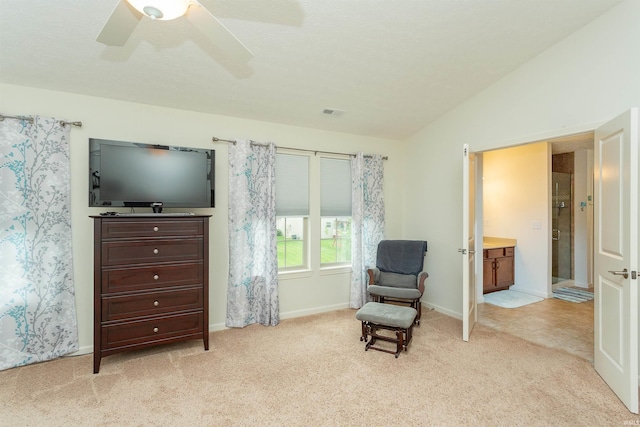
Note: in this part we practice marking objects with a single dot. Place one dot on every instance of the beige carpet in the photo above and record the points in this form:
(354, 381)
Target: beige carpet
(313, 371)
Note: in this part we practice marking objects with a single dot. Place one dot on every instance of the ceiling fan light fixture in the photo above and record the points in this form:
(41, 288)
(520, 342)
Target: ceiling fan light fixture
(162, 10)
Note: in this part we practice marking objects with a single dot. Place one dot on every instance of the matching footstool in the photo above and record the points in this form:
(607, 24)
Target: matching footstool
(395, 318)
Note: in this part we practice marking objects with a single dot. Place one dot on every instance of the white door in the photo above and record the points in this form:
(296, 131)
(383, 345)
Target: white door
(469, 312)
(616, 256)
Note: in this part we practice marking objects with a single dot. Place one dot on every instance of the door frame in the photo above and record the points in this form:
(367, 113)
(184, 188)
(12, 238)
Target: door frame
(479, 204)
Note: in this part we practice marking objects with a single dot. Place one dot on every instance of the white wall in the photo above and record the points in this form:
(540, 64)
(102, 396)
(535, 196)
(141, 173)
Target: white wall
(515, 196)
(587, 79)
(109, 119)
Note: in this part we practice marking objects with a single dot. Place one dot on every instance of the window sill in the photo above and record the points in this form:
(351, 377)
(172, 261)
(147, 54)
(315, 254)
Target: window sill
(338, 269)
(294, 274)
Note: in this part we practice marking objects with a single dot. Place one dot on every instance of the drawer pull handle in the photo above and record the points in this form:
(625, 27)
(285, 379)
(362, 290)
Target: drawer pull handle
(156, 277)
(156, 303)
(155, 228)
(155, 251)
(155, 330)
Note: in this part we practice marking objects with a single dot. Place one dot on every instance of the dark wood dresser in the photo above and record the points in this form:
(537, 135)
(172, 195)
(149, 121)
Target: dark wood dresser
(151, 282)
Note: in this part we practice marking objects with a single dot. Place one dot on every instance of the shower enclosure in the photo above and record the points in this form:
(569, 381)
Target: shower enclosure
(562, 227)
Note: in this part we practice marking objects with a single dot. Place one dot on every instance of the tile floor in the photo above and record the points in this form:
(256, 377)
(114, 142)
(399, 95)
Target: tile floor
(553, 323)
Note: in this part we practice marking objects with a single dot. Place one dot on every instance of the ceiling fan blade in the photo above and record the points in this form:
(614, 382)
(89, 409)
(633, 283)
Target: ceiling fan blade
(120, 25)
(209, 25)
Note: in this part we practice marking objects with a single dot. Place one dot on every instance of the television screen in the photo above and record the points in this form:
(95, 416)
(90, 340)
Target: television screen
(135, 174)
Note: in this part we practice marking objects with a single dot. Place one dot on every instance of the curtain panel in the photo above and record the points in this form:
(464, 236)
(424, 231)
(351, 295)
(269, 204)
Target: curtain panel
(37, 299)
(252, 294)
(367, 215)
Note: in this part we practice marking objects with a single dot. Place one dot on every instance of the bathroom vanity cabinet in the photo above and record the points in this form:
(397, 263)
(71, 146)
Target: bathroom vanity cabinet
(498, 267)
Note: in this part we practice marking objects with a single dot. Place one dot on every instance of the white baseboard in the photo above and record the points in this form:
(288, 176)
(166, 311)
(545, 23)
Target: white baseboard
(314, 310)
(581, 285)
(87, 349)
(291, 314)
(442, 310)
(531, 292)
(213, 327)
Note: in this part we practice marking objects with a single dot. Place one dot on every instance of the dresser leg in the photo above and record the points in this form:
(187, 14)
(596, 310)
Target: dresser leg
(96, 361)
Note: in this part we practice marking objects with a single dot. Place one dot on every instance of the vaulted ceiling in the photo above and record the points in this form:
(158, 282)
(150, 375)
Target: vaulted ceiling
(391, 66)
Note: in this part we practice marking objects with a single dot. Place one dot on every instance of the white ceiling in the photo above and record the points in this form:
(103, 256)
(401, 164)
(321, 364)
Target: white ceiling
(392, 66)
(568, 144)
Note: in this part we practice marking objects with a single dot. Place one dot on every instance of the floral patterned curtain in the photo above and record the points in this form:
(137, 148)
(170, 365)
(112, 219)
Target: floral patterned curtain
(37, 302)
(367, 215)
(252, 295)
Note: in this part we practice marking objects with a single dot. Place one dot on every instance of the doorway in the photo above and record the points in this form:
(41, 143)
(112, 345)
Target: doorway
(572, 211)
(562, 219)
(567, 232)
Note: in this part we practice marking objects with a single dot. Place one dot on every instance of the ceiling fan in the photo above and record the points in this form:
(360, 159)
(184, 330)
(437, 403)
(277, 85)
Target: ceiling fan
(127, 14)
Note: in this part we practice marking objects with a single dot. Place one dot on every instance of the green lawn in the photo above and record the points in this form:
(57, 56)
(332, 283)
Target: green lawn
(330, 251)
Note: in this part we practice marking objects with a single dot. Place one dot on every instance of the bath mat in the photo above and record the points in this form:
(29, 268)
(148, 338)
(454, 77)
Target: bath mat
(510, 299)
(573, 294)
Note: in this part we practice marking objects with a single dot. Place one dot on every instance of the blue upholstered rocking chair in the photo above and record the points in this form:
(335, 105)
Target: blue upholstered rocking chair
(398, 276)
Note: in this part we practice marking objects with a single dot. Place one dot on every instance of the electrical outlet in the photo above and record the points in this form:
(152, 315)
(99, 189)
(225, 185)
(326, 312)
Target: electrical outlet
(536, 225)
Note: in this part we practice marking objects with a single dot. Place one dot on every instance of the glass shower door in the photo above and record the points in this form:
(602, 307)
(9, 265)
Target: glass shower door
(561, 223)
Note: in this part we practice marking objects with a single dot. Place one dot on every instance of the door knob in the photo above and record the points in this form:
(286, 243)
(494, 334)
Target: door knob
(624, 273)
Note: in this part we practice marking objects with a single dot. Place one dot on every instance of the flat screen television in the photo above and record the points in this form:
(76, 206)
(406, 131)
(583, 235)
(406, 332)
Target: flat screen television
(131, 174)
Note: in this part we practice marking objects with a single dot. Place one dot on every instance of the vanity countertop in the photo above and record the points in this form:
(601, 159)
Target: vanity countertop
(497, 242)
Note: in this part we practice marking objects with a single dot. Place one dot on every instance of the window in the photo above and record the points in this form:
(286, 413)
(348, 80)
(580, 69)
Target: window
(292, 211)
(291, 242)
(335, 240)
(335, 211)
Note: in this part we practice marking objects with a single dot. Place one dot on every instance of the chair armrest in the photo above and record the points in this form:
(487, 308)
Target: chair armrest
(374, 275)
(421, 277)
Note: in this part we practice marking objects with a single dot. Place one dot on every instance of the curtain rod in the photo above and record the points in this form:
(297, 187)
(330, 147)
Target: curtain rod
(231, 141)
(30, 120)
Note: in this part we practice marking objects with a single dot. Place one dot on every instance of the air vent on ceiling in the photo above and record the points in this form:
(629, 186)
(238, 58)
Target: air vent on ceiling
(333, 112)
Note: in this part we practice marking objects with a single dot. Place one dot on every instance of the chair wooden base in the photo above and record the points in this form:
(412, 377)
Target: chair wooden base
(397, 319)
(370, 335)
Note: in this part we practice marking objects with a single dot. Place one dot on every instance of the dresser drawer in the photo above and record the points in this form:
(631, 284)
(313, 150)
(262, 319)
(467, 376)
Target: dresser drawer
(152, 331)
(153, 277)
(132, 229)
(118, 252)
(151, 303)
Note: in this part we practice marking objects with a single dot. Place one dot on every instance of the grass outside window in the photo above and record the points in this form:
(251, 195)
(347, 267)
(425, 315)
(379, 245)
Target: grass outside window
(330, 251)
(291, 242)
(335, 241)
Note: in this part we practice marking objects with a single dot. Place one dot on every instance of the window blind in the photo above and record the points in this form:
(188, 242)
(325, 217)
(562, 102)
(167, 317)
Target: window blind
(335, 187)
(292, 185)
